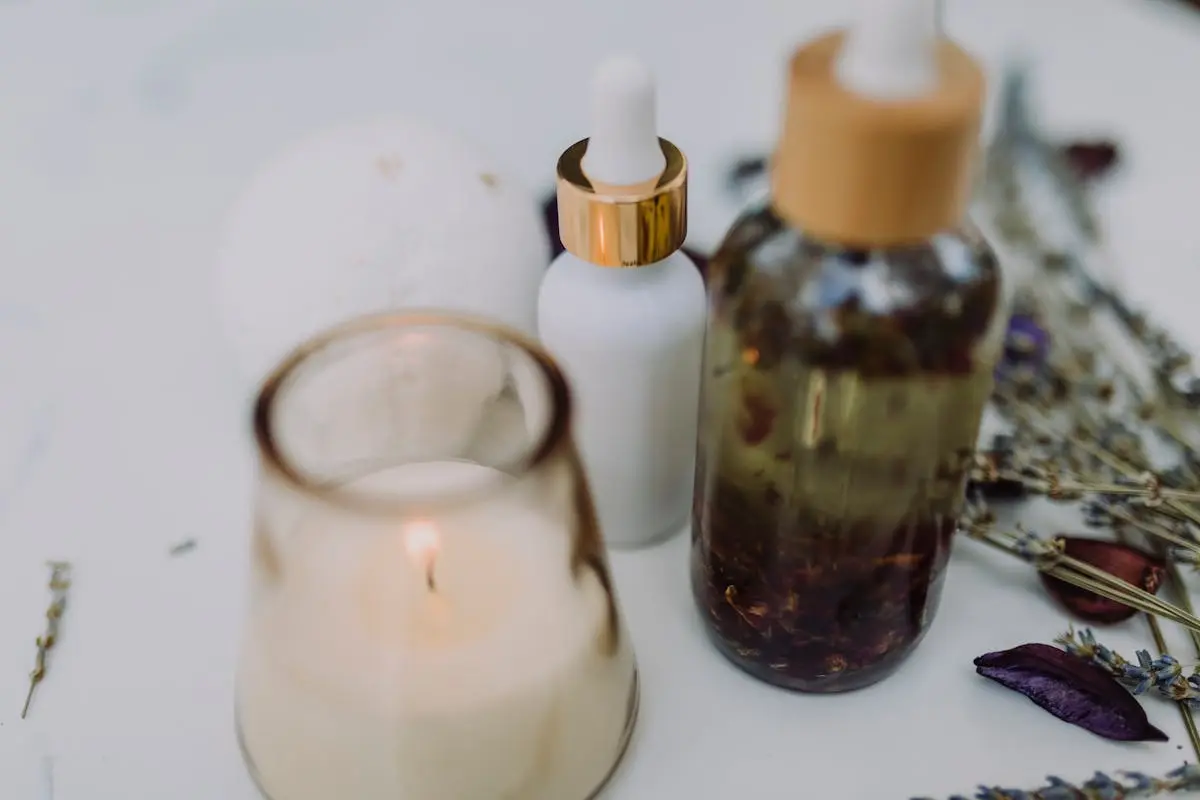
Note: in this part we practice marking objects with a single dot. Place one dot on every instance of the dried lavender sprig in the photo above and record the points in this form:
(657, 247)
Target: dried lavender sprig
(188, 545)
(1146, 486)
(1070, 277)
(1047, 556)
(1163, 674)
(1100, 787)
(1125, 471)
(60, 585)
(1174, 586)
(1112, 512)
(1114, 501)
(1185, 707)
(1020, 137)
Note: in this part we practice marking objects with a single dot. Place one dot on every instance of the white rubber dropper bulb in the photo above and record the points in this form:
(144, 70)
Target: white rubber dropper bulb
(623, 148)
(891, 52)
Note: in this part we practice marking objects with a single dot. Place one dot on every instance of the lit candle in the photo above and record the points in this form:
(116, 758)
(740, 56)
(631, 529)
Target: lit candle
(422, 542)
(453, 656)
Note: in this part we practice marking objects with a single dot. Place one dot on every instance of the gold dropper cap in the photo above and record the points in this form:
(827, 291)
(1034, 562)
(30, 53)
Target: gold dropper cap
(622, 226)
(875, 173)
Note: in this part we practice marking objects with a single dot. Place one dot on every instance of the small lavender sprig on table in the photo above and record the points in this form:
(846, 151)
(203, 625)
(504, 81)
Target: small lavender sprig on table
(188, 545)
(1164, 674)
(60, 584)
(1101, 787)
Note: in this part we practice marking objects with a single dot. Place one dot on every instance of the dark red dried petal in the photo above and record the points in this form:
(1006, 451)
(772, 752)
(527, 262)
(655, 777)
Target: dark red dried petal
(1121, 560)
(1092, 159)
(1074, 690)
(758, 419)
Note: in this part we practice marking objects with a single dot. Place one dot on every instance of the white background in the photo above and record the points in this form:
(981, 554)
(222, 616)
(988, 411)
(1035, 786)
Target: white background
(127, 127)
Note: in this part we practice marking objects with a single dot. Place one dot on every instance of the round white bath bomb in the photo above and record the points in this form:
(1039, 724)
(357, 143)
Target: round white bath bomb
(374, 217)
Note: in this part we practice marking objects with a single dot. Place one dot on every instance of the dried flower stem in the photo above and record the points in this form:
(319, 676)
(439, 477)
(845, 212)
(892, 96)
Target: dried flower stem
(1101, 787)
(1057, 487)
(1172, 499)
(1163, 674)
(1179, 588)
(60, 584)
(1176, 682)
(1047, 556)
(1157, 531)
(1185, 707)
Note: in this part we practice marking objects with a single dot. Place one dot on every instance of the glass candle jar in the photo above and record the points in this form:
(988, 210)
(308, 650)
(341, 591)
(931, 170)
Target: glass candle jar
(432, 615)
(843, 392)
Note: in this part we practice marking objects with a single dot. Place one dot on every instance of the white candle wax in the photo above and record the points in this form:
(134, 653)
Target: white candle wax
(359, 680)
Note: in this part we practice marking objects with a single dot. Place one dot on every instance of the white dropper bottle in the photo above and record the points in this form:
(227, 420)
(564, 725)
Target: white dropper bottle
(623, 310)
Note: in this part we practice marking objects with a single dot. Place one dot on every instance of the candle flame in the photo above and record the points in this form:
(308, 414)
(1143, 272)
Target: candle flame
(422, 542)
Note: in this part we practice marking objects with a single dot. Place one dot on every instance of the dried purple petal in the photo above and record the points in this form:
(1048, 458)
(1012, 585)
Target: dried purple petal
(1121, 560)
(1025, 341)
(1092, 159)
(1071, 689)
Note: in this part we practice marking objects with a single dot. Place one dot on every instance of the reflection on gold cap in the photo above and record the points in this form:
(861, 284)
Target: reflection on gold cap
(622, 226)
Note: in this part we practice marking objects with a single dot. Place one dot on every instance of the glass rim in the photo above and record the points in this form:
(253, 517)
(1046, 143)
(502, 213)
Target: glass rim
(542, 446)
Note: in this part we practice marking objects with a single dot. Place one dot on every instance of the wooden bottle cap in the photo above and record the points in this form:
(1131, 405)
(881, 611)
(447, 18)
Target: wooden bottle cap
(859, 171)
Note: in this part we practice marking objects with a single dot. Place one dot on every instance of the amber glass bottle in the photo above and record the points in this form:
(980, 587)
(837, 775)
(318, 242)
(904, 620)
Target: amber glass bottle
(854, 324)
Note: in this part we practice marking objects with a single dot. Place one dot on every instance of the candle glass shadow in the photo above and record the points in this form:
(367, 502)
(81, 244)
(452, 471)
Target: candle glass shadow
(432, 614)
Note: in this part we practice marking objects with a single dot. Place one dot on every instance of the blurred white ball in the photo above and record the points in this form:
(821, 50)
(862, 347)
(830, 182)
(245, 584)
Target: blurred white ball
(374, 217)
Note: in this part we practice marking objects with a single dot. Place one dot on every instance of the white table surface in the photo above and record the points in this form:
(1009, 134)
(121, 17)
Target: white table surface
(126, 128)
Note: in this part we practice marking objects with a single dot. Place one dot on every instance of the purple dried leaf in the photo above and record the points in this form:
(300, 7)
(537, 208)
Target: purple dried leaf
(1071, 689)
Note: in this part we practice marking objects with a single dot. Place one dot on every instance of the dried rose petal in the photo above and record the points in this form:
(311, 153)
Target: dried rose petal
(1074, 690)
(1121, 560)
(757, 421)
(1091, 159)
